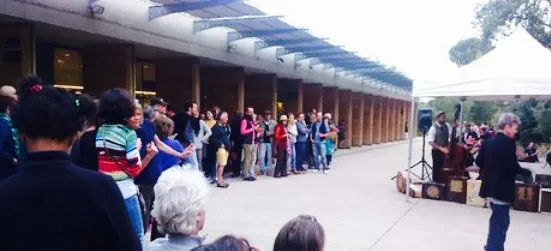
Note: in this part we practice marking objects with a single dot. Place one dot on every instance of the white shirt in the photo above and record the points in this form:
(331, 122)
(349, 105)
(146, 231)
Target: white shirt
(204, 132)
(293, 132)
(127, 187)
(432, 131)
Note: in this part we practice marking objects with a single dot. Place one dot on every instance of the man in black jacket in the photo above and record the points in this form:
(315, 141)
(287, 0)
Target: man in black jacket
(498, 162)
(185, 126)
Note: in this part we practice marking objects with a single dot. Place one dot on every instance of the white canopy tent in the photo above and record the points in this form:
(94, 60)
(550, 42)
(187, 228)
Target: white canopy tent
(519, 67)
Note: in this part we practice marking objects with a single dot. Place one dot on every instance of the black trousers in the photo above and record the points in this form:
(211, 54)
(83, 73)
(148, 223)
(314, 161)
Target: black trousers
(281, 163)
(148, 197)
(438, 158)
(236, 164)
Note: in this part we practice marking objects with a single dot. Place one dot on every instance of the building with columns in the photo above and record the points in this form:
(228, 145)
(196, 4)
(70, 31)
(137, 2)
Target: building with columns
(214, 52)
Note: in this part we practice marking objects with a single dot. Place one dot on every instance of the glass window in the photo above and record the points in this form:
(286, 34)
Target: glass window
(10, 60)
(145, 82)
(68, 69)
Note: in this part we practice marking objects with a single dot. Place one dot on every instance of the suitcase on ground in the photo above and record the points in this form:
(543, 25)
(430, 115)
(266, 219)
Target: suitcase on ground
(457, 189)
(433, 191)
(415, 190)
(543, 180)
(473, 197)
(545, 201)
(401, 181)
(526, 197)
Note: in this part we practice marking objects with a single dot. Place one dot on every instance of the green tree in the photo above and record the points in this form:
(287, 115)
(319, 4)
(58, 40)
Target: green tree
(467, 50)
(448, 105)
(483, 112)
(543, 116)
(497, 16)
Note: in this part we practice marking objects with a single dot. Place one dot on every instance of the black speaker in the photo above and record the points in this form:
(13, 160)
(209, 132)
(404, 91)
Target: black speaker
(424, 121)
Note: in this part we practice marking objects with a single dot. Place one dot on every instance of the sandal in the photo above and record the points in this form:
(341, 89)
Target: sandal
(223, 185)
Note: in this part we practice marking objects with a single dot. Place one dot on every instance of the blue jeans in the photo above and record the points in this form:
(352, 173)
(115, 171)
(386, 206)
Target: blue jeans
(292, 158)
(499, 224)
(265, 152)
(300, 154)
(135, 214)
(319, 155)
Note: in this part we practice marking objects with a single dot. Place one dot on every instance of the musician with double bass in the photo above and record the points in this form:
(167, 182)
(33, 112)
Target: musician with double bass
(438, 137)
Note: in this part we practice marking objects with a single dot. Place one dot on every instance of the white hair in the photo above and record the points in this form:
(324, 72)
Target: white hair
(180, 196)
(507, 118)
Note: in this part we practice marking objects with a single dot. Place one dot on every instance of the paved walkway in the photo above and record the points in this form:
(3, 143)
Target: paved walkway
(360, 209)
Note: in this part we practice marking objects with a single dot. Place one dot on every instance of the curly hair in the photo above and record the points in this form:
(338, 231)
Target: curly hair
(164, 126)
(47, 112)
(116, 106)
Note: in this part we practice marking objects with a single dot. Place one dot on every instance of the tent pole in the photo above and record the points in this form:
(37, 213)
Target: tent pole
(410, 143)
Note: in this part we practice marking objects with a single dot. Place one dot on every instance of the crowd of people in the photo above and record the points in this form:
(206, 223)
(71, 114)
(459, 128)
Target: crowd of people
(96, 174)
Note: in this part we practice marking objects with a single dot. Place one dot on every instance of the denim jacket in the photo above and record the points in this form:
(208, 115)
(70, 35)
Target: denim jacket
(303, 131)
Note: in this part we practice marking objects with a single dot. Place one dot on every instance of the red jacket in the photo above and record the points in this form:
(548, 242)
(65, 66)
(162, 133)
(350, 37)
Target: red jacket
(281, 141)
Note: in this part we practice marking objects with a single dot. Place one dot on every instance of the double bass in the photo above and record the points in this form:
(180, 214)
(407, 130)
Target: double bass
(454, 164)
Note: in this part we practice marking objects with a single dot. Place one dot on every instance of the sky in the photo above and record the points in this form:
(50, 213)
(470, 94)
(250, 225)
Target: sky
(412, 35)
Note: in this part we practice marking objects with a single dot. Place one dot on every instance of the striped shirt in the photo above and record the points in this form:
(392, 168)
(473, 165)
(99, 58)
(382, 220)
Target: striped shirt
(117, 152)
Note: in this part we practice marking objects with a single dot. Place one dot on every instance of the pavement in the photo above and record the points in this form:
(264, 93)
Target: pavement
(360, 209)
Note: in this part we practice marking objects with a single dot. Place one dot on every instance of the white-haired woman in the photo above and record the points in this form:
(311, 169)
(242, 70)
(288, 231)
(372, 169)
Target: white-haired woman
(179, 209)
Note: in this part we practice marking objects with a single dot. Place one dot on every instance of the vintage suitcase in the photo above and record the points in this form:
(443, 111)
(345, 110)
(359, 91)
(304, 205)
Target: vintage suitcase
(543, 180)
(545, 201)
(401, 181)
(457, 189)
(473, 197)
(433, 190)
(415, 190)
(527, 197)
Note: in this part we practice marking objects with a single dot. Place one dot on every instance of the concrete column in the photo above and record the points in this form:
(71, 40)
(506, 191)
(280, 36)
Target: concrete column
(312, 97)
(376, 129)
(358, 105)
(382, 116)
(223, 87)
(368, 120)
(260, 92)
(108, 66)
(391, 120)
(300, 101)
(400, 129)
(23, 61)
(274, 98)
(241, 95)
(178, 81)
(288, 93)
(402, 113)
(386, 119)
(331, 102)
(345, 113)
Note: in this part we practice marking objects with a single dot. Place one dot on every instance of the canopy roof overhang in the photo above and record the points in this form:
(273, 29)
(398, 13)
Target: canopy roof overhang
(249, 21)
(518, 68)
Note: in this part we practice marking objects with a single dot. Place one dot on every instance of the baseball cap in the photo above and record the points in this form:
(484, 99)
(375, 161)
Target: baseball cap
(157, 101)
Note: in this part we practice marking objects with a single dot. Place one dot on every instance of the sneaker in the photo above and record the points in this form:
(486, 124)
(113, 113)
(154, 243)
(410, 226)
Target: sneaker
(316, 170)
(325, 171)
